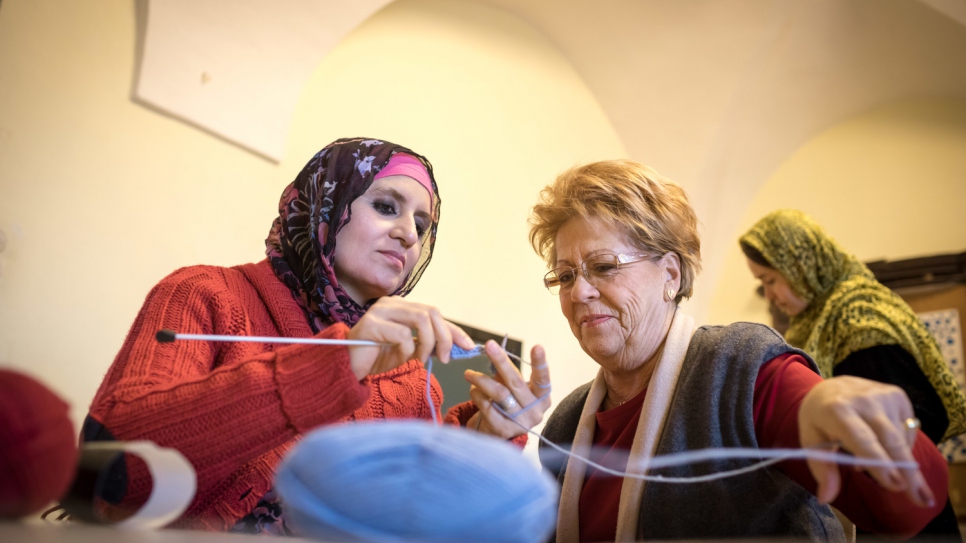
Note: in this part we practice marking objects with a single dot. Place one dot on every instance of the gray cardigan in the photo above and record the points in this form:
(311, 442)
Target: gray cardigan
(713, 407)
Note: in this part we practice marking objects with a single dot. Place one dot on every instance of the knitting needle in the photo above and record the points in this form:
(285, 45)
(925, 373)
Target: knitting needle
(168, 336)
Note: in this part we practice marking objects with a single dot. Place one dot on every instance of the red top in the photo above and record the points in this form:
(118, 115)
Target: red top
(780, 388)
(234, 409)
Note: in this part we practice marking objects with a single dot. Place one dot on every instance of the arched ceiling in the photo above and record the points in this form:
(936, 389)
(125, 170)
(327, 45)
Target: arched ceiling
(713, 93)
(716, 94)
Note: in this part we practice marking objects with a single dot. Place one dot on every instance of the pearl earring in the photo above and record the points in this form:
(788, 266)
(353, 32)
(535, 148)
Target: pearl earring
(670, 294)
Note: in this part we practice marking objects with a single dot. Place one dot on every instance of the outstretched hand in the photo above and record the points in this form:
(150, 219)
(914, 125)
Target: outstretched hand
(393, 320)
(508, 389)
(868, 419)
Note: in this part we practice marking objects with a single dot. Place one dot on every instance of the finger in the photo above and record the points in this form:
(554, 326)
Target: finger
(489, 392)
(367, 362)
(489, 420)
(475, 422)
(895, 440)
(897, 410)
(539, 372)
(915, 484)
(851, 429)
(460, 337)
(872, 439)
(919, 490)
(433, 332)
(507, 372)
(420, 322)
(829, 480)
(483, 401)
(416, 318)
(494, 422)
(899, 433)
(402, 350)
(866, 418)
(486, 409)
(402, 337)
(443, 332)
(493, 391)
(826, 474)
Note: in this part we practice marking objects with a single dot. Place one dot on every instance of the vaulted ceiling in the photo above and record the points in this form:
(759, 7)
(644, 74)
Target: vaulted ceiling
(716, 92)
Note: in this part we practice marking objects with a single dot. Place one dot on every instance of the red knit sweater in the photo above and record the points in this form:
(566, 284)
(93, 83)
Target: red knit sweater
(234, 409)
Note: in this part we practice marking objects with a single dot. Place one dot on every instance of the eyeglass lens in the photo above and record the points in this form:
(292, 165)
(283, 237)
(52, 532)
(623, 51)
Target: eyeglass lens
(593, 269)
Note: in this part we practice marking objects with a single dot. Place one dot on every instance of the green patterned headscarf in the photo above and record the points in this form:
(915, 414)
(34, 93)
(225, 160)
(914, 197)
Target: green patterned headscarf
(848, 310)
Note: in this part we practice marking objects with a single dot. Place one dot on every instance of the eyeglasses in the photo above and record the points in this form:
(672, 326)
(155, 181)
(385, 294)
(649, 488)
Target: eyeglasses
(595, 268)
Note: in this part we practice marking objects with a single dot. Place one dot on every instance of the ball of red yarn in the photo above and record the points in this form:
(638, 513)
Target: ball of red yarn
(38, 447)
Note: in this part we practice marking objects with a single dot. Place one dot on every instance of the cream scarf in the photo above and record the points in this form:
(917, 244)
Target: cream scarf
(656, 403)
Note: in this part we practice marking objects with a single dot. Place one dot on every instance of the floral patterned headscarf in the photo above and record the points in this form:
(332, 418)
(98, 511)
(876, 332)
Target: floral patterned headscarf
(314, 208)
(848, 310)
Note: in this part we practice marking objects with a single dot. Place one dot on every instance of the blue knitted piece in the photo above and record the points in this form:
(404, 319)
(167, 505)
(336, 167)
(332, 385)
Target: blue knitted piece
(415, 482)
(458, 352)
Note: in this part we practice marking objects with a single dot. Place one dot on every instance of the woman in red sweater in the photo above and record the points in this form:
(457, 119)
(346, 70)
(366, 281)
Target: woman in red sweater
(354, 234)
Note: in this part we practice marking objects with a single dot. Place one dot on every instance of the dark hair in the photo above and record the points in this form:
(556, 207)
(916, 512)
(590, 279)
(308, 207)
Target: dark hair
(755, 255)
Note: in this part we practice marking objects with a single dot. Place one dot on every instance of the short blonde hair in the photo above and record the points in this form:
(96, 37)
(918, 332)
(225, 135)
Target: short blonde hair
(652, 209)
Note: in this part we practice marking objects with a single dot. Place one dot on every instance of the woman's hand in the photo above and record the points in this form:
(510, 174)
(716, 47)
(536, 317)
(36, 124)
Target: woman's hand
(393, 320)
(510, 390)
(868, 418)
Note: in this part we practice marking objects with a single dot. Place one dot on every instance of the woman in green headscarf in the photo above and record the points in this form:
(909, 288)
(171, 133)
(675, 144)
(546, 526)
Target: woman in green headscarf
(850, 323)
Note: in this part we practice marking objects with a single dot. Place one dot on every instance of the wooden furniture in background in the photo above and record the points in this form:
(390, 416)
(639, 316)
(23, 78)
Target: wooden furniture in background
(932, 283)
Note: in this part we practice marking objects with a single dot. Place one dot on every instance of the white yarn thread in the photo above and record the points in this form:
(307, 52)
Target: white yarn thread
(770, 456)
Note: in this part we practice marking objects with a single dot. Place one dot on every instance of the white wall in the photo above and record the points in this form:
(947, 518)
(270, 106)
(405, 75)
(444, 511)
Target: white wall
(101, 197)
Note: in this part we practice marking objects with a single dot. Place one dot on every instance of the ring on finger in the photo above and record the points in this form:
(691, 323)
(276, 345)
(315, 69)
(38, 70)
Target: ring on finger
(507, 403)
(912, 423)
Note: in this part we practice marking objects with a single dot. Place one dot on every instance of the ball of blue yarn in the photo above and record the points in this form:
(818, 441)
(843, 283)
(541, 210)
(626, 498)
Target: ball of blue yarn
(414, 481)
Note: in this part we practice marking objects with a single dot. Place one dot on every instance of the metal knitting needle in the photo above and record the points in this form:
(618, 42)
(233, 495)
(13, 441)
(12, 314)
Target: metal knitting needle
(168, 336)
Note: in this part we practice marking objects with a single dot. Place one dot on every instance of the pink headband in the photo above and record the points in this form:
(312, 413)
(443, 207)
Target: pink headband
(410, 166)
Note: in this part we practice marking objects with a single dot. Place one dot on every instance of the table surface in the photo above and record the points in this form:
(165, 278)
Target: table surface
(35, 531)
(62, 532)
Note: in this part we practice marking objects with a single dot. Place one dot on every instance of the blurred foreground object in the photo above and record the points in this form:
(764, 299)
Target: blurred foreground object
(174, 484)
(401, 481)
(38, 446)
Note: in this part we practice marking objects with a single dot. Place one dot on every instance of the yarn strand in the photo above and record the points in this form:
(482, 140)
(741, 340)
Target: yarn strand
(769, 456)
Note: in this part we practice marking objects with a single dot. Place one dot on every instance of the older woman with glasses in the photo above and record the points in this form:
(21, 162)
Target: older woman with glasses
(622, 245)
